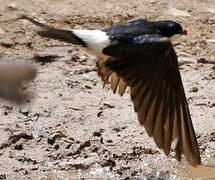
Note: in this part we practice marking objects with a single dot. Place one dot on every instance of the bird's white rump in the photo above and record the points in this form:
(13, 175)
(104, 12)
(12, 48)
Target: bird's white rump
(96, 40)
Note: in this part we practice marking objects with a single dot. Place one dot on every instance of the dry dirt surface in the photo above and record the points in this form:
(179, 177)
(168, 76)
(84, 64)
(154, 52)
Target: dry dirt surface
(72, 127)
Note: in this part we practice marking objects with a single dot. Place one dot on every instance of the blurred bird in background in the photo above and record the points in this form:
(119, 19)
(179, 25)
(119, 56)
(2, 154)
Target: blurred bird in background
(12, 79)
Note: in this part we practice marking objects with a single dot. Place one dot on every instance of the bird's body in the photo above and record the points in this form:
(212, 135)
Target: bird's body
(138, 54)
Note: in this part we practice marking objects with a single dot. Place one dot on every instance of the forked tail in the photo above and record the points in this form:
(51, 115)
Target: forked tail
(54, 33)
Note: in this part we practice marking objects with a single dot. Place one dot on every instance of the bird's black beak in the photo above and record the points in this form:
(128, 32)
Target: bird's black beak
(184, 32)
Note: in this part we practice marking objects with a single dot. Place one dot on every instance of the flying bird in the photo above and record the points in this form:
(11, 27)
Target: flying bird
(12, 77)
(139, 54)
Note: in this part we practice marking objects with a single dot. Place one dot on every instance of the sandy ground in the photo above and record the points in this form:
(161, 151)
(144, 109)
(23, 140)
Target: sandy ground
(72, 127)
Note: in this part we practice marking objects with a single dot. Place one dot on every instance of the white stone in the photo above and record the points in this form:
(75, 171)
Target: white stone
(177, 12)
(2, 32)
(83, 58)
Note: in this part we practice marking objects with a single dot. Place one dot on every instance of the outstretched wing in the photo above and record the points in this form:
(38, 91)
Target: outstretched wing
(12, 77)
(148, 64)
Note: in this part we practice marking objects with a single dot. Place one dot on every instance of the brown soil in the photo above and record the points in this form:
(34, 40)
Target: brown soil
(73, 128)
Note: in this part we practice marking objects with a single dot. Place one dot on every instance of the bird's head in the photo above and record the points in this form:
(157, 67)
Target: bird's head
(169, 28)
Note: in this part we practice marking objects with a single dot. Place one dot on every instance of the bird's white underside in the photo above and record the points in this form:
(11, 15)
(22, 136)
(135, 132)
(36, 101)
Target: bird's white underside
(96, 40)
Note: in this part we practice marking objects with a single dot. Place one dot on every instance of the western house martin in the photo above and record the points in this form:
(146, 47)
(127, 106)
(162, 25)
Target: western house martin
(139, 54)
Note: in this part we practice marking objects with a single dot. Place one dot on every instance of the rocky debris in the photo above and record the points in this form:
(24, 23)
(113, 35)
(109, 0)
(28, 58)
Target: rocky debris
(177, 12)
(3, 177)
(82, 147)
(206, 61)
(83, 58)
(186, 60)
(52, 138)
(83, 71)
(6, 42)
(154, 175)
(44, 57)
(7, 109)
(24, 109)
(4, 145)
(39, 132)
(81, 163)
(25, 159)
(12, 6)
(16, 136)
(98, 134)
(119, 129)
(194, 89)
(211, 41)
(106, 106)
(18, 147)
(2, 32)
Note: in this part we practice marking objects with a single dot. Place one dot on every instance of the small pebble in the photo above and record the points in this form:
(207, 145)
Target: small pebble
(177, 12)
(2, 32)
(7, 43)
(194, 89)
(83, 58)
(18, 147)
(12, 6)
(24, 109)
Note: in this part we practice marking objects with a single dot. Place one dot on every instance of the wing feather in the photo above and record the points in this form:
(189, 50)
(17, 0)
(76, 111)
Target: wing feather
(150, 67)
(122, 87)
(105, 73)
(114, 82)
